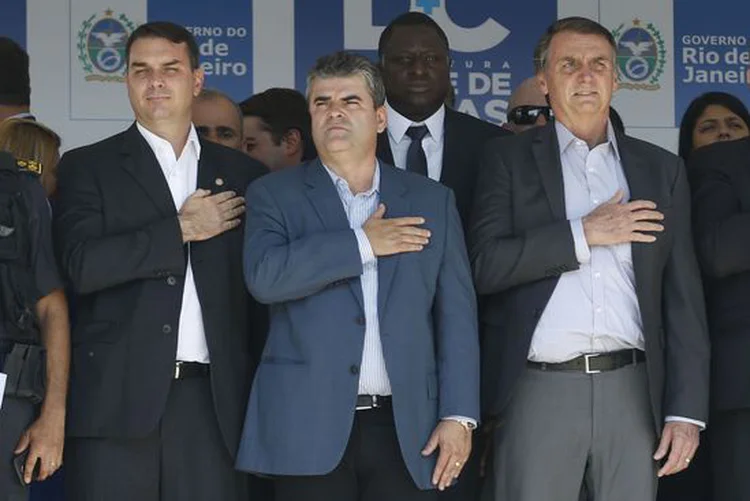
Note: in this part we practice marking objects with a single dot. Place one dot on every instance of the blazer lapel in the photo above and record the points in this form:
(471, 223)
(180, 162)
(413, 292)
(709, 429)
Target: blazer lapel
(393, 194)
(209, 178)
(325, 199)
(547, 156)
(643, 186)
(139, 160)
(384, 152)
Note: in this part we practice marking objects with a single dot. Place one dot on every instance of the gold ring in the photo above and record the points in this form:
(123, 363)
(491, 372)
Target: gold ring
(687, 460)
(458, 464)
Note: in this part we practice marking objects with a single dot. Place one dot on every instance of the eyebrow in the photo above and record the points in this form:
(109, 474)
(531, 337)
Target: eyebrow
(142, 64)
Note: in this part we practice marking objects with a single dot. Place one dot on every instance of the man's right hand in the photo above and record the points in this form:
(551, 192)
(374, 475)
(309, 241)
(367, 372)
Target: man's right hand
(615, 223)
(204, 216)
(395, 235)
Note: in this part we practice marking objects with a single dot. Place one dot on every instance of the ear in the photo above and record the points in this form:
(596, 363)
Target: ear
(291, 143)
(198, 77)
(542, 79)
(382, 118)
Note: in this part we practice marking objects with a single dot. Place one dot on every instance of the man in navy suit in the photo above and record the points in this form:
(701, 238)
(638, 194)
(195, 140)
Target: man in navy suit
(368, 385)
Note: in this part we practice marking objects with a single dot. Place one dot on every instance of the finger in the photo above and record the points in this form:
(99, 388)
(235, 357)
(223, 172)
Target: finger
(233, 213)
(616, 198)
(23, 443)
(45, 469)
(431, 445)
(452, 471)
(413, 230)
(646, 214)
(635, 205)
(642, 237)
(408, 239)
(229, 225)
(232, 203)
(407, 248)
(642, 226)
(379, 213)
(440, 466)
(406, 221)
(28, 469)
(200, 193)
(666, 438)
(676, 454)
(223, 196)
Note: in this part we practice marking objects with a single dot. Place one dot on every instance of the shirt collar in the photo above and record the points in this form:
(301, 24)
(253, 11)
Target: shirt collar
(565, 138)
(343, 187)
(398, 124)
(159, 144)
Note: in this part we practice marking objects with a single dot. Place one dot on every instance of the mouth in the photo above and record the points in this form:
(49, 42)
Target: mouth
(156, 98)
(586, 93)
(419, 87)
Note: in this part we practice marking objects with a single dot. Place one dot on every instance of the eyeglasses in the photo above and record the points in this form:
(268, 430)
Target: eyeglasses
(528, 114)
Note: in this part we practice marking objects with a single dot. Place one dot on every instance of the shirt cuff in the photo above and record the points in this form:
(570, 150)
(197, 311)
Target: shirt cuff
(583, 252)
(472, 423)
(670, 419)
(365, 249)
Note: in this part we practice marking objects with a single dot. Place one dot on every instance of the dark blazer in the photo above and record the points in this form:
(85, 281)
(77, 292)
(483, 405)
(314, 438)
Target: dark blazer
(121, 248)
(463, 140)
(521, 242)
(720, 180)
(302, 258)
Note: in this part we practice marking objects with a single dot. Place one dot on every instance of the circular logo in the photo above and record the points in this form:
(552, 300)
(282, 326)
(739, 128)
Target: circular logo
(106, 45)
(637, 54)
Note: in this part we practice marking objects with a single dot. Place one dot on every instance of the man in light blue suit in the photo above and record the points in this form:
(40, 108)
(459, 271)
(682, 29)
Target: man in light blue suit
(368, 385)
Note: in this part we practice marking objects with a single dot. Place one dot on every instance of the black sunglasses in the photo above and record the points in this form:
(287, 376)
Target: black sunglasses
(528, 114)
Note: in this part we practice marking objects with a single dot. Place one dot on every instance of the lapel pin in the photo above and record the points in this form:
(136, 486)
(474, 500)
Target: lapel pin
(219, 181)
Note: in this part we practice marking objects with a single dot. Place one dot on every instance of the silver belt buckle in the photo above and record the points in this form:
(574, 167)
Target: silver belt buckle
(587, 361)
(177, 366)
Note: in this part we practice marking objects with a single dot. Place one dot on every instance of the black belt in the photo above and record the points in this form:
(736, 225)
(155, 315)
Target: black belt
(183, 370)
(591, 363)
(367, 402)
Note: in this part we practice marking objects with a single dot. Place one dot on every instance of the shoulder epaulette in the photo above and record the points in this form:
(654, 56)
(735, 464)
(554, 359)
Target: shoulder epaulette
(30, 166)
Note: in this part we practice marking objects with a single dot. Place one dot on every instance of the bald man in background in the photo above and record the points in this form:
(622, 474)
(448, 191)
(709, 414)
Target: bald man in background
(527, 107)
(218, 119)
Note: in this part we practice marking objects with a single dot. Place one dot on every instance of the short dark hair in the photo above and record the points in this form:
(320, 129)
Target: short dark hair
(410, 19)
(15, 85)
(696, 109)
(169, 31)
(580, 25)
(282, 110)
(346, 64)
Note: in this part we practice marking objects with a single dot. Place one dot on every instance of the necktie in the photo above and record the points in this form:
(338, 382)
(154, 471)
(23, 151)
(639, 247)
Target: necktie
(416, 161)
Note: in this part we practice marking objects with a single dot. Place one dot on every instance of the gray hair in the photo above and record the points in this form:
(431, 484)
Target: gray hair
(346, 64)
(580, 25)
(209, 94)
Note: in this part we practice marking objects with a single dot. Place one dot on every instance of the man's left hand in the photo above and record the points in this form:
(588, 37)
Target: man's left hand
(454, 442)
(681, 440)
(44, 438)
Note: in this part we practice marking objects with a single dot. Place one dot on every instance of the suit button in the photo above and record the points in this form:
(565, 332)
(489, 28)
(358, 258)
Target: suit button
(354, 369)
(166, 328)
(171, 280)
(360, 320)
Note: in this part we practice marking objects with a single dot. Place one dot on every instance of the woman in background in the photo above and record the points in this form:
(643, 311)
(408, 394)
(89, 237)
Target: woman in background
(712, 117)
(30, 140)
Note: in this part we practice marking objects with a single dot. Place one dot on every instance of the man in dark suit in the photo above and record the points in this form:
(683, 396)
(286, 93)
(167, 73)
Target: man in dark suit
(148, 227)
(415, 61)
(595, 332)
(720, 179)
(369, 384)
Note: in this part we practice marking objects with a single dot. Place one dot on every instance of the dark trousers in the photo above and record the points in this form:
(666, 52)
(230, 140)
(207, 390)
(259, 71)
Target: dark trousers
(730, 455)
(372, 468)
(15, 416)
(184, 459)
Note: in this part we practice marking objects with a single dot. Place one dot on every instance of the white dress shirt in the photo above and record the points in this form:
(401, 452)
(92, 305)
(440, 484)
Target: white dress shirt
(593, 309)
(432, 143)
(181, 175)
(373, 375)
